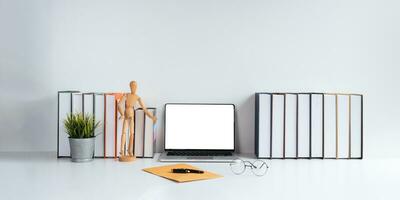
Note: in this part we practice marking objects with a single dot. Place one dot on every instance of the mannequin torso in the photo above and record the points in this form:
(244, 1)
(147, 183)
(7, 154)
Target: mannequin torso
(130, 102)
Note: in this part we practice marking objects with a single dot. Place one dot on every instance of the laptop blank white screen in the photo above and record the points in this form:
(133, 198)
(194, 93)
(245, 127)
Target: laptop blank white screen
(199, 126)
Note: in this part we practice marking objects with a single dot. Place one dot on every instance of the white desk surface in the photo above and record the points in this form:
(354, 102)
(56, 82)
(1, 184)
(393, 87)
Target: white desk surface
(42, 176)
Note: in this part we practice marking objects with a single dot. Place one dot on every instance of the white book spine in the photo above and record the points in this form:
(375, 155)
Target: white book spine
(291, 123)
(110, 126)
(120, 123)
(316, 125)
(149, 135)
(99, 117)
(139, 132)
(264, 125)
(77, 103)
(88, 104)
(64, 103)
(304, 126)
(356, 126)
(343, 126)
(329, 126)
(277, 126)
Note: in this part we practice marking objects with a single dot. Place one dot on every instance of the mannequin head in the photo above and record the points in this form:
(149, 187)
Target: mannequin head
(133, 86)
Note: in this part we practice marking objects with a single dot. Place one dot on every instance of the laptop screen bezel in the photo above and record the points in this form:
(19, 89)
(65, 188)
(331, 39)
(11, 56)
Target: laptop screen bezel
(219, 150)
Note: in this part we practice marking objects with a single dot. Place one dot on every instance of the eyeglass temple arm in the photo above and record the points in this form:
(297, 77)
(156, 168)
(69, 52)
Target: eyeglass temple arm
(253, 166)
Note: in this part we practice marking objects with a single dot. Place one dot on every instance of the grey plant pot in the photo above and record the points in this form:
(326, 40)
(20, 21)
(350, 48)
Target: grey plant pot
(82, 149)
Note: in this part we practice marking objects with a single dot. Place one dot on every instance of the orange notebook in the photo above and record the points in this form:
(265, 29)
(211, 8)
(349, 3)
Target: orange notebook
(166, 172)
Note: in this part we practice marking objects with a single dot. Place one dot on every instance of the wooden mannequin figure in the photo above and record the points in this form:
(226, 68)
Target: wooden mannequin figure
(127, 112)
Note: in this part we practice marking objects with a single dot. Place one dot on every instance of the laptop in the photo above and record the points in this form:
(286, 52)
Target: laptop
(198, 132)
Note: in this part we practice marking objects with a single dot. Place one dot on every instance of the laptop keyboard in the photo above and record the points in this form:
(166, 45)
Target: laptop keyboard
(198, 153)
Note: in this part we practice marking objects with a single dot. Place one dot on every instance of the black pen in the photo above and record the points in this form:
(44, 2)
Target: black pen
(185, 171)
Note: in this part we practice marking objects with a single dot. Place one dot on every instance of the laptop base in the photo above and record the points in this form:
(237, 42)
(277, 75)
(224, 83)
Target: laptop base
(216, 159)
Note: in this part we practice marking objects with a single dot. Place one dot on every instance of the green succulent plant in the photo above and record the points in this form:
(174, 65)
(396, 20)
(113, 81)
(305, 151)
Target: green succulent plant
(80, 125)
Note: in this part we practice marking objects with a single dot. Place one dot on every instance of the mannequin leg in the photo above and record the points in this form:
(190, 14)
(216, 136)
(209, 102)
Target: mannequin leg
(131, 131)
(123, 138)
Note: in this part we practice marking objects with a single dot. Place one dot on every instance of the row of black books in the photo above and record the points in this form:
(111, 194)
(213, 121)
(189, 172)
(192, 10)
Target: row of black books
(103, 107)
(309, 125)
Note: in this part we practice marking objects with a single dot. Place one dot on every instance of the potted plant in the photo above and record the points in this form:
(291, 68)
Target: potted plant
(81, 130)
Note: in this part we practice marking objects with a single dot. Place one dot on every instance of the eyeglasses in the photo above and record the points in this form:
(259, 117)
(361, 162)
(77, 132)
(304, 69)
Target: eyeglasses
(258, 167)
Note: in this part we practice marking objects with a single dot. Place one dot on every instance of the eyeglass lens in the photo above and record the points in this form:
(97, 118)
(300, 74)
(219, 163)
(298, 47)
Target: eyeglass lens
(238, 166)
(258, 167)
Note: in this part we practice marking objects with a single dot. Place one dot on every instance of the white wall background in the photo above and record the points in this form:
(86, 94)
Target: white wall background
(196, 51)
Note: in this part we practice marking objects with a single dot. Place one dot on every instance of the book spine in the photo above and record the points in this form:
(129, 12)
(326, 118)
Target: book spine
(284, 127)
(310, 126)
(362, 127)
(323, 126)
(115, 129)
(144, 133)
(271, 126)
(58, 125)
(297, 126)
(105, 125)
(256, 128)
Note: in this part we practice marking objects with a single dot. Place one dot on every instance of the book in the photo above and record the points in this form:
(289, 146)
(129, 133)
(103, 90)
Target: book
(304, 125)
(144, 134)
(329, 126)
(113, 125)
(343, 127)
(139, 133)
(64, 107)
(98, 114)
(149, 135)
(263, 117)
(88, 103)
(317, 123)
(110, 117)
(278, 125)
(77, 103)
(290, 126)
(356, 129)
(88, 108)
(119, 123)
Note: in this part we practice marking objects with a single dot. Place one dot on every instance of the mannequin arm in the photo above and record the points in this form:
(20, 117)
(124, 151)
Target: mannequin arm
(141, 103)
(121, 106)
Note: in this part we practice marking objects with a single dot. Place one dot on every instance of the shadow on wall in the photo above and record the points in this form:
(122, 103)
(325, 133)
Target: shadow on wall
(244, 142)
(30, 125)
(41, 119)
(160, 130)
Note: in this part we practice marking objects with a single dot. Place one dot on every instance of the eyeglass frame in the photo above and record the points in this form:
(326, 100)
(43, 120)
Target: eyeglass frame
(251, 166)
